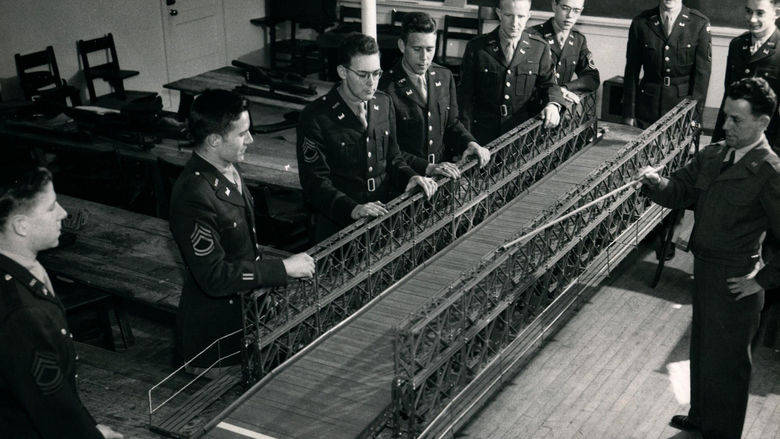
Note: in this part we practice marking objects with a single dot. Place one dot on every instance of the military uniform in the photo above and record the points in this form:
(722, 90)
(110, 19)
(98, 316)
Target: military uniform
(573, 57)
(343, 164)
(38, 391)
(732, 210)
(674, 67)
(214, 227)
(496, 95)
(427, 131)
(765, 63)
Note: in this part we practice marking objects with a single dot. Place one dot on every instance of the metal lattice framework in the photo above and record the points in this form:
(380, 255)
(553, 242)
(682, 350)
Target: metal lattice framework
(362, 260)
(447, 351)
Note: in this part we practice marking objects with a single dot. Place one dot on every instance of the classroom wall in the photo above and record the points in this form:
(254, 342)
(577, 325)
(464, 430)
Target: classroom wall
(31, 25)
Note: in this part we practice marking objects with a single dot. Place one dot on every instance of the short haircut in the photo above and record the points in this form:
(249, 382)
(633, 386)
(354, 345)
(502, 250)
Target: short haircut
(417, 22)
(212, 113)
(757, 92)
(18, 193)
(356, 44)
(498, 2)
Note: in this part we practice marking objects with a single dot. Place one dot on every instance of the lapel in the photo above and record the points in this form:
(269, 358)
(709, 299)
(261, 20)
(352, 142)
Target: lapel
(656, 25)
(749, 163)
(548, 33)
(404, 86)
(342, 112)
(493, 47)
(680, 24)
(765, 51)
(223, 188)
(521, 51)
(374, 112)
(11, 268)
(434, 85)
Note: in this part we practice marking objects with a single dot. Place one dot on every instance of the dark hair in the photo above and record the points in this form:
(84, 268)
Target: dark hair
(757, 92)
(18, 192)
(418, 22)
(356, 44)
(212, 113)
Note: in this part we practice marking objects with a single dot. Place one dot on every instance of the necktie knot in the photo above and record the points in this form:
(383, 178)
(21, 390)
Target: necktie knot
(754, 47)
(422, 87)
(729, 160)
(509, 50)
(668, 24)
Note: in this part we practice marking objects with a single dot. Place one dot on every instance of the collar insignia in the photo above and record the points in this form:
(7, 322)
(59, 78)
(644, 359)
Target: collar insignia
(340, 116)
(409, 92)
(437, 83)
(376, 107)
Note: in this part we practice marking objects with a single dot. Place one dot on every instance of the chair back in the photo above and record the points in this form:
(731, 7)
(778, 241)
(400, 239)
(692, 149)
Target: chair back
(458, 28)
(39, 77)
(109, 71)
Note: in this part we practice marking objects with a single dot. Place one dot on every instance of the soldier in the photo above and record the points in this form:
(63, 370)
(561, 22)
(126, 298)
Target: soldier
(348, 159)
(429, 133)
(37, 355)
(755, 54)
(569, 50)
(505, 75)
(671, 44)
(734, 187)
(213, 223)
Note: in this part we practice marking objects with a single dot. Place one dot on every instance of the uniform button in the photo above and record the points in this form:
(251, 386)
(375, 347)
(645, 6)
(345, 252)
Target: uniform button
(71, 335)
(64, 331)
(387, 133)
(430, 127)
(429, 114)
(370, 169)
(230, 301)
(508, 84)
(666, 58)
(367, 139)
(689, 46)
(668, 70)
(508, 72)
(77, 356)
(430, 142)
(559, 63)
(506, 97)
(45, 293)
(257, 258)
(343, 143)
(197, 173)
(557, 75)
(235, 223)
(666, 47)
(369, 154)
(76, 376)
(486, 70)
(747, 70)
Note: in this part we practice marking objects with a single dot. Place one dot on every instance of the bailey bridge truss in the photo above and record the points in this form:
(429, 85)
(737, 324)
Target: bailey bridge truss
(426, 351)
(454, 352)
(364, 259)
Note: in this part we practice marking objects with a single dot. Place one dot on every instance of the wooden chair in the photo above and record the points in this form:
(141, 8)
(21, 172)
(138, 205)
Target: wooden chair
(44, 84)
(108, 72)
(456, 28)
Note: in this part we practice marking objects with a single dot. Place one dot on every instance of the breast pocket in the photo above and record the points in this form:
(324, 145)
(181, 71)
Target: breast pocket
(444, 112)
(526, 75)
(381, 138)
(769, 73)
(487, 78)
(346, 155)
(648, 54)
(231, 227)
(686, 53)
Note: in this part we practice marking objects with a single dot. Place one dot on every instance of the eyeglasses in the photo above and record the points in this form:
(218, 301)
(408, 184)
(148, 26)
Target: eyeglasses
(376, 74)
(568, 9)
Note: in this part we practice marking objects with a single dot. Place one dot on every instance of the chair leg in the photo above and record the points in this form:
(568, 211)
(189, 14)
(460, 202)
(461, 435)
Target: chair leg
(128, 339)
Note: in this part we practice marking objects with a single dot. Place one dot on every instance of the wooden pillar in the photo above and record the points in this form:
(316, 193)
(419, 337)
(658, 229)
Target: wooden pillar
(368, 16)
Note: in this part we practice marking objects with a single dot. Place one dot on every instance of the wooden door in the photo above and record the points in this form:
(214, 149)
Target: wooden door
(194, 37)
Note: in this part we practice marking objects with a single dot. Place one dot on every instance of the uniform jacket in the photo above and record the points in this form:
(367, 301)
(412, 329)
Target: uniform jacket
(428, 131)
(573, 57)
(341, 164)
(214, 227)
(38, 391)
(732, 209)
(765, 63)
(496, 95)
(673, 68)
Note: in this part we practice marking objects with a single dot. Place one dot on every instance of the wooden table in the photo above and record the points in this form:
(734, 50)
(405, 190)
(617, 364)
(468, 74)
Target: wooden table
(228, 78)
(122, 253)
(270, 161)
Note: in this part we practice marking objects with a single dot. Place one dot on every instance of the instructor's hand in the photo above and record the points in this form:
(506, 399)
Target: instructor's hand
(741, 287)
(374, 208)
(299, 265)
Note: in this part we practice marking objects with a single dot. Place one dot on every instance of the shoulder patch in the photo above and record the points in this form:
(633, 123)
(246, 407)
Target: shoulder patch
(46, 372)
(202, 240)
(591, 62)
(311, 152)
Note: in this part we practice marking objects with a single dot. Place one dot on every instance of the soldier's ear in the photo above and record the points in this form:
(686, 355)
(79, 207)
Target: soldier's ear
(19, 224)
(401, 45)
(213, 140)
(342, 72)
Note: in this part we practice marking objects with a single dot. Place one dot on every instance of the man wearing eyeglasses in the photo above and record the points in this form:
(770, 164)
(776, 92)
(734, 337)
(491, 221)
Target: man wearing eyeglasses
(671, 45)
(349, 162)
(569, 50)
(507, 77)
(429, 133)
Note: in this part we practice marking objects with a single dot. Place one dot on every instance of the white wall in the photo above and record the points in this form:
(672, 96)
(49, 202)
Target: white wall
(30, 25)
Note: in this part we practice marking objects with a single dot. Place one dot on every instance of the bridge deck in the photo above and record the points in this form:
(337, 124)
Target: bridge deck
(343, 383)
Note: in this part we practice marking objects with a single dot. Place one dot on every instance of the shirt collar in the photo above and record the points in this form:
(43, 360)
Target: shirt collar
(32, 265)
(504, 38)
(226, 171)
(739, 153)
(558, 31)
(671, 14)
(353, 104)
(412, 75)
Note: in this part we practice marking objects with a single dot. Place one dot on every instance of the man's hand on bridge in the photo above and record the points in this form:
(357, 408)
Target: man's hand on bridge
(374, 208)
(481, 153)
(551, 115)
(299, 265)
(428, 185)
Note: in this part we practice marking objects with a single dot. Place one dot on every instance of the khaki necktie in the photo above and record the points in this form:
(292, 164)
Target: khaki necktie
(422, 87)
(728, 162)
(668, 24)
(754, 47)
(362, 114)
(509, 51)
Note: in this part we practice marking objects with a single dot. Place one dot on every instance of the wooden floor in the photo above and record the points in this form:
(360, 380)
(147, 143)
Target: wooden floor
(619, 368)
